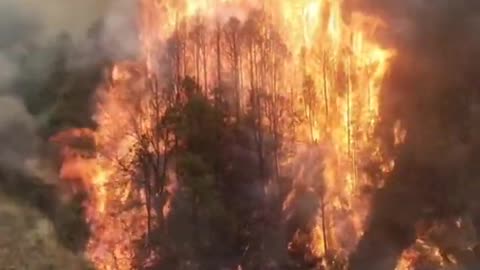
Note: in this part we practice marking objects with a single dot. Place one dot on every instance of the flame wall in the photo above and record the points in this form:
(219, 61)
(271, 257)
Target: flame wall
(317, 55)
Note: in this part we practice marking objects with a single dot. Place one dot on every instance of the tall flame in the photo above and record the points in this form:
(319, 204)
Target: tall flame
(330, 71)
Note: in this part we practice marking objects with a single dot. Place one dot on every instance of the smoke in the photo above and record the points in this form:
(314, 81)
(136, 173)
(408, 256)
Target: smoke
(16, 119)
(224, 13)
(120, 36)
(17, 133)
(53, 16)
(32, 35)
(432, 90)
(52, 57)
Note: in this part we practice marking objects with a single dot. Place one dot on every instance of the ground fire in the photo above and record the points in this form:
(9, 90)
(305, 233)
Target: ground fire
(300, 81)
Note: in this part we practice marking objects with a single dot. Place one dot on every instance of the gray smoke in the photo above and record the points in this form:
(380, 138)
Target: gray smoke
(53, 16)
(433, 91)
(29, 35)
(17, 126)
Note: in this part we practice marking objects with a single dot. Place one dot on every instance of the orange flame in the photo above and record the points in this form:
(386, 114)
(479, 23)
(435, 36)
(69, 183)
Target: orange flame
(336, 67)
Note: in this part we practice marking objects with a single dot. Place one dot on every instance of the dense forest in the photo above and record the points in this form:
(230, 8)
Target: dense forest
(214, 174)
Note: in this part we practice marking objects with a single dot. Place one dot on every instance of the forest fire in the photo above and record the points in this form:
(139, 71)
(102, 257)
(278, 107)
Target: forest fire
(309, 70)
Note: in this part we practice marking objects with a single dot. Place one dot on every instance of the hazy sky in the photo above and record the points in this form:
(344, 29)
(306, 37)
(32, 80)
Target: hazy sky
(55, 15)
(74, 15)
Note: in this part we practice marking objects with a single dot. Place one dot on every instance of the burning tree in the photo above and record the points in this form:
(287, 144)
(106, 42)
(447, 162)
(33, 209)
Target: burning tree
(217, 104)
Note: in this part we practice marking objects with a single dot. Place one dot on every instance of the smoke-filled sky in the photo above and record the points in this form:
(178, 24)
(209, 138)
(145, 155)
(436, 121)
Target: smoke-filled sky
(52, 15)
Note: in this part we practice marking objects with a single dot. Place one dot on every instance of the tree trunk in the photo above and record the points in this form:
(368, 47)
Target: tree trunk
(219, 55)
(324, 225)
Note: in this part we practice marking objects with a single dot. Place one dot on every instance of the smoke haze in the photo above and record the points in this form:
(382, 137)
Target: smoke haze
(432, 91)
(53, 16)
(30, 41)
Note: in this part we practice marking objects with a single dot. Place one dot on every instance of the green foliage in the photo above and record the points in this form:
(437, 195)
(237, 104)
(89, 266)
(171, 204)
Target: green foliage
(196, 173)
(199, 126)
(209, 214)
(198, 129)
